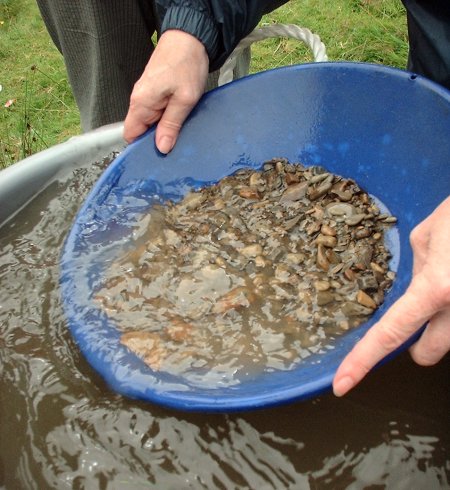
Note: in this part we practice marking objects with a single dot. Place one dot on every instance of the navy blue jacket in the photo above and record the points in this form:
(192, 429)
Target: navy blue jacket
(218, 24)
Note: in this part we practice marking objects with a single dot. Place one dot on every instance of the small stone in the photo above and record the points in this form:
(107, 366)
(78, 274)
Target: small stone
(362, 233)
(350, 308)
(365, 300)
(332, 256)
(256, 180)
(364, 256)
(319, 177)
(282, 273)
(259, 280)
(220, 261)
(390, 219)
(343, 195)
(279, 166)
(304, 297)
(313, 227)
(315, 193)
(349, 274)
(290, 223)
(249, 193)
(260, 261)
(294, 192)
(364, 198)
(378, 296)
(193, 200)
(251, 250)
(328, 230)
(340, 209)
(344, 325)
(355, 219)
(382, 216)
(322, 285)
(324, 298)
(360, 266)
(326, 241)
(295, 258)
(336, 268)
(367, 283)
(322, 261)
(291, 178)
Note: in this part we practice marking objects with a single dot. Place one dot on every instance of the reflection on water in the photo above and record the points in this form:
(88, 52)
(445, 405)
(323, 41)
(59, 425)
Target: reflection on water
(61, 427)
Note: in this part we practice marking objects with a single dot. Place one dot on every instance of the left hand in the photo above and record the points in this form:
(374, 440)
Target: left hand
(171, 85)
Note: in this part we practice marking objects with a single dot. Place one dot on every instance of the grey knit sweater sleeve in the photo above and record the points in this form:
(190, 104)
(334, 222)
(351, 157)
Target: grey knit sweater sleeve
(218, 24)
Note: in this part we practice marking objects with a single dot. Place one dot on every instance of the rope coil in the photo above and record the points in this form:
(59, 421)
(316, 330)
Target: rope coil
(312, 41)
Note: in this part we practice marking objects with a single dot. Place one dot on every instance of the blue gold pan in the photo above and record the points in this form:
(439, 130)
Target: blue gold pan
(387, 129)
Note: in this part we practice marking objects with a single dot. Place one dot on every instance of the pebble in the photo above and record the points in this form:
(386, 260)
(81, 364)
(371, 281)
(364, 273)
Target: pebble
(260, 261)
(249, 193)
(365, 300)
(253, 250)
(376, 268)
(322, 285)
(362, 233)
(355, 219)
(367, 283)
(294, 192)
(390, 219)
(324, 298)
(326, 241)
(295, 258)
(328, 230)
(340, 209)
(349, 274)
(322, 260)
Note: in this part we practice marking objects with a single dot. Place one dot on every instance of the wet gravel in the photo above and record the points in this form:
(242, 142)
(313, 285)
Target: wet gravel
(253, 273)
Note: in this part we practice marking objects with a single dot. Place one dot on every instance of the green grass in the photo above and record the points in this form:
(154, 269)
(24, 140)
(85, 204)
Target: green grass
(44, 113)
(371, 31)
(32, 74)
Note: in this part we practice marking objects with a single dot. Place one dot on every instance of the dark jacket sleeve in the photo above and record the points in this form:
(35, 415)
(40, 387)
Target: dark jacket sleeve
(218, 24)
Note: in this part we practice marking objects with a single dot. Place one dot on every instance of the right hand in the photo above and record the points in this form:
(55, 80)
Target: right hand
(427, 299)
(171, 85)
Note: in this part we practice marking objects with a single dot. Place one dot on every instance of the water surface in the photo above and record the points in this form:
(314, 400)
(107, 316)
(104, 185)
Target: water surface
(61, 427)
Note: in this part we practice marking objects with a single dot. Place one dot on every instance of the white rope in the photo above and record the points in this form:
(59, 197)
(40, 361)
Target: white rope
(276, 30)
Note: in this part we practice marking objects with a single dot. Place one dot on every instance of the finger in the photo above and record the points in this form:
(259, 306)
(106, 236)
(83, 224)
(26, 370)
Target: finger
(434, 343)
(169, 126)
(147, 102)
(138, 120)
(403, 319)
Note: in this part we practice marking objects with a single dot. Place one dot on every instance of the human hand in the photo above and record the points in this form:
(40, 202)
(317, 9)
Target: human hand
(427, 299)
(172, 83)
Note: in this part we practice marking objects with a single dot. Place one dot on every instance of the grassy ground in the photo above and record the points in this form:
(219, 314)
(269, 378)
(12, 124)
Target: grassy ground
(33, 77)
(42, 111)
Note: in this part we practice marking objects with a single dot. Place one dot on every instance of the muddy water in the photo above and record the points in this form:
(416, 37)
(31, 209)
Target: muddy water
(252, 274)
(62, 428)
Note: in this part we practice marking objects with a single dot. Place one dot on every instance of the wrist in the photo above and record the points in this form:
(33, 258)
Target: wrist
(196, 23)
(180, 39)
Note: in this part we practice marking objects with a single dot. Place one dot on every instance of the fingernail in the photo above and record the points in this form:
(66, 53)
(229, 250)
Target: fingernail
(342, 386)
(165, 144)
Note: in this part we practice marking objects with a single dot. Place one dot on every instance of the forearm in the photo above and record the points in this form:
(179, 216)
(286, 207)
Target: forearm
(218, 24)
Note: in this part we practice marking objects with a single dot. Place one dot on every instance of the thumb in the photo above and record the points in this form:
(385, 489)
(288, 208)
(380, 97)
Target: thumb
(172, 120)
